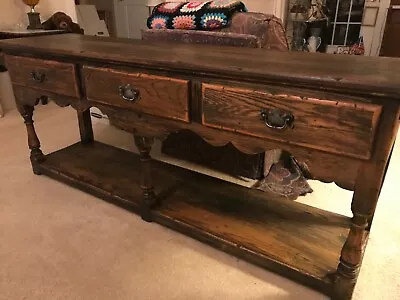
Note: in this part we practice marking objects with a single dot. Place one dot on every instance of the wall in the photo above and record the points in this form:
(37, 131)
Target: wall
(276, 7)
(108, 7)
(13, 12)
(100, 4)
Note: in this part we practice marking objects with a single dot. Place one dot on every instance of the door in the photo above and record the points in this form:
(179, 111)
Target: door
(390, 44)
(131, 17)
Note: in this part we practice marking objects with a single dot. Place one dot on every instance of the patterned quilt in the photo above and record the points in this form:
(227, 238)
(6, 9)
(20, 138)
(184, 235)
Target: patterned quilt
(207, 15)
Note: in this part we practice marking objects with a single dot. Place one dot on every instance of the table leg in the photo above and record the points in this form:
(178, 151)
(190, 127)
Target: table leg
(368, 186)
(33, 140)
(144, 144)
(380, 189)
(85, 126)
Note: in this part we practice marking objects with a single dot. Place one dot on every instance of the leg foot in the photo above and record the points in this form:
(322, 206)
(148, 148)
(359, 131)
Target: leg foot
(145, 213)
(345, 282)
(36, 170)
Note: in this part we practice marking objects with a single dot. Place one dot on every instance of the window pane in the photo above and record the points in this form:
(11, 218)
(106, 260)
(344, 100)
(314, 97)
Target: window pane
(340, 33)
(353, 34)
(344, 10)
(357, 11)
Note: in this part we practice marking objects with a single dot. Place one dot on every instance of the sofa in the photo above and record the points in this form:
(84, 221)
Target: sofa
(245, 29)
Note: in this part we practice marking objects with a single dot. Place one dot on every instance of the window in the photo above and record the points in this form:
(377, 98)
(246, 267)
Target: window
(345, 21)
(337, 22)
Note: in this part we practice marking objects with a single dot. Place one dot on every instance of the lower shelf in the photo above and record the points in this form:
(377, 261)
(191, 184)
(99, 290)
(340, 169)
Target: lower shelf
(293, 239)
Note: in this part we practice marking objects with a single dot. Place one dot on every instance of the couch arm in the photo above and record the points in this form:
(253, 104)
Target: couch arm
(267, 28)
(276, 37)
(200, 37)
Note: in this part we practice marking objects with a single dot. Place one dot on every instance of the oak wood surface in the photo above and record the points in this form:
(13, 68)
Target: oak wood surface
(316, 164)
(58, 77)
(85, 126)
(160, 96)
(357, 74)
(313, 162)
(296, 240)
(339, 127)
(242, 221)
(31, 96)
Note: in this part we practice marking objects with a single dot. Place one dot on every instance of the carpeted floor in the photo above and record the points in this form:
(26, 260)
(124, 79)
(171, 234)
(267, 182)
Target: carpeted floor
(59, 243)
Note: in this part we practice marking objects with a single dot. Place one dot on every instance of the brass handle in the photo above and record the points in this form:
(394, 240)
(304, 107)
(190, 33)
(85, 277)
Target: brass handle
(38, 76)
(277, 119)
(129, 93)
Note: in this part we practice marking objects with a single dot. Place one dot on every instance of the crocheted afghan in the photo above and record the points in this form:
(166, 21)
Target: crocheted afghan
(207, 15)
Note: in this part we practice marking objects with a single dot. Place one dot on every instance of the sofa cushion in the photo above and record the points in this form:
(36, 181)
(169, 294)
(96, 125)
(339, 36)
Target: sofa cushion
(206, 15)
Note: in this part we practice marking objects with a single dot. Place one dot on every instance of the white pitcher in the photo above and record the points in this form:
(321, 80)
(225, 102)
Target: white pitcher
(313, 43)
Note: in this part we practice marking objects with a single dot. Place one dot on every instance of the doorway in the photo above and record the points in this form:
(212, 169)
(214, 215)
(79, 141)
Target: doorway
(131, 17)
(390, 45)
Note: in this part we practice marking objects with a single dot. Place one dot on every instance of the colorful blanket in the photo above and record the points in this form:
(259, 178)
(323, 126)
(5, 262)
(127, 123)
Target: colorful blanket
(207, 15)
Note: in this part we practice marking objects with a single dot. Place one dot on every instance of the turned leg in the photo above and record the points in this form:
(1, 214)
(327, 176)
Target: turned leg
(351, 256)
(144, 145)
(380, 189)
(85, 126)
(44, 100)
(33, 140)
(367, 189)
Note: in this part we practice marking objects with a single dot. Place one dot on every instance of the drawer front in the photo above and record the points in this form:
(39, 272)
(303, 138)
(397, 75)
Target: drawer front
(155, 95)
(52, 76)
(341, 127)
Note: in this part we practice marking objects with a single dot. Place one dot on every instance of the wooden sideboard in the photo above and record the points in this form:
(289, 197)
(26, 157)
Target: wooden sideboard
(337, 115)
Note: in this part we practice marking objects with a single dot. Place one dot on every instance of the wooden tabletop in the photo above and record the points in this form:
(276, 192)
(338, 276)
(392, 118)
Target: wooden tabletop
(362, 74)
(16, 33)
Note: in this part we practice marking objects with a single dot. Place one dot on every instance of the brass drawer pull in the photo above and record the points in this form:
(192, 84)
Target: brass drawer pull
(277, 119)
(129, 93)
(38, 76)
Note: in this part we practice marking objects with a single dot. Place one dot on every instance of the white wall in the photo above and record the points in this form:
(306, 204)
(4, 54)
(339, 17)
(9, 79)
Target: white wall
(100, 4)
(275, 7)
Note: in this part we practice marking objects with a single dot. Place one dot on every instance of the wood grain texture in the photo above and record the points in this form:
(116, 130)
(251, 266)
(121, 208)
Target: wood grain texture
(344, 139)
(361, 75)
(144, 145)
(364, 202)
(36, 155)
(339, 127)
(160, 96)
(58, 77)
(85, 126)
(262, 228)
(30, 96)
(316, 164)
(389, 46)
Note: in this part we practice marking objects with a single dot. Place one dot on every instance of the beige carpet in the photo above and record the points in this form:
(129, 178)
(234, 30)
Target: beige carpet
(59, 243)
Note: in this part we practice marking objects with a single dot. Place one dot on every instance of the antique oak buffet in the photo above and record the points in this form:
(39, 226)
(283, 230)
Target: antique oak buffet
(337, 115)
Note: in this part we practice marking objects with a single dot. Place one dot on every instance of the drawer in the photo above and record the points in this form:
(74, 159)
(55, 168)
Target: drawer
(52, 76)
(341, 127)
(155, 95)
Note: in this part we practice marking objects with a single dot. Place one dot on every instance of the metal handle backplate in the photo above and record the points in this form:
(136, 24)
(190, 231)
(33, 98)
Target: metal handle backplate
(129, 93)
(38, 76)
(276, 118)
